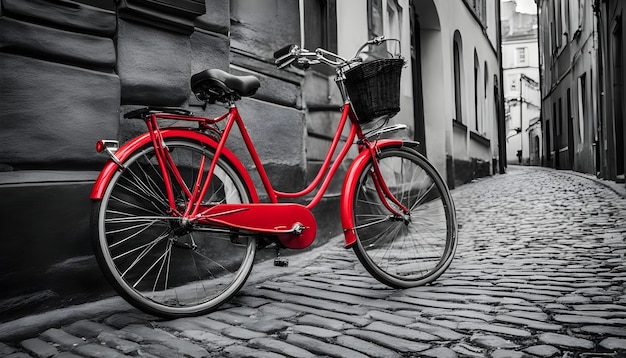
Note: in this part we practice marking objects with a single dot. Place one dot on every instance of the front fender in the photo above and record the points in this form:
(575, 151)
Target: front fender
(125, 151)
(351, 181)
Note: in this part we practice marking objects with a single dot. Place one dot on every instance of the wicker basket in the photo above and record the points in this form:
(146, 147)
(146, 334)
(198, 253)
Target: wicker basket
(374, 89)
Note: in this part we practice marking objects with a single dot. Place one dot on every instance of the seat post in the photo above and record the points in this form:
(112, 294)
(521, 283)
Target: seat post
(231, 101)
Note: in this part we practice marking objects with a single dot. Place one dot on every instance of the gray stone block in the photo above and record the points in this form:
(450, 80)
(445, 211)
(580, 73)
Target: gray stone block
(278, 135)
(275, 90)
(217, 17)
(209, 50)
(64, 14)
(261, 27)
(54, 113)
(172, 15)
(153, 65)
(183, 8)
(102, 4)
(56, 45)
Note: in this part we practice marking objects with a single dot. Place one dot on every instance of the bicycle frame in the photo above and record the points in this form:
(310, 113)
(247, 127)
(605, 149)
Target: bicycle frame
(293, 223)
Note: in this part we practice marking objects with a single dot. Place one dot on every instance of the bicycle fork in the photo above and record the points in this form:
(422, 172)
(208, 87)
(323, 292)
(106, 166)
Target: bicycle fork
(351, 182)
(381, 187)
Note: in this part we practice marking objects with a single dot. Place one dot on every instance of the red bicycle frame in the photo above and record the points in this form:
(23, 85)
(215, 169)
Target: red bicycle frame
(294, 224)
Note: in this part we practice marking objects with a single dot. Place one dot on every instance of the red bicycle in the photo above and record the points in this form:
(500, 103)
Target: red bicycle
(177, 220)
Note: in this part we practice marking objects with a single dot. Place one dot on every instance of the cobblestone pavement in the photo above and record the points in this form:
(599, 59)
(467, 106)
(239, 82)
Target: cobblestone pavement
(540, 271)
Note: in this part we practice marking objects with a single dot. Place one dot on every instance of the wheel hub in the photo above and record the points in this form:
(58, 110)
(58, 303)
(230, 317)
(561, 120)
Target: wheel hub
(180, 234)
(406, 218)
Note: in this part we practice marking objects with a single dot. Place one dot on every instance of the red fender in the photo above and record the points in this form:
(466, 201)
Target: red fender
(349, 186)
(131, 146)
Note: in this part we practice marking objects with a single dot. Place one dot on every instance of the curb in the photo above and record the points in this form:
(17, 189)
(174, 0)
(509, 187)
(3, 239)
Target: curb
(32, 326)
(619, 189)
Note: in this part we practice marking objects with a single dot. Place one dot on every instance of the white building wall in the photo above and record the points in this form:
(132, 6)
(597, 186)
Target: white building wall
(521, 36)
(439, 20)
(458, 17)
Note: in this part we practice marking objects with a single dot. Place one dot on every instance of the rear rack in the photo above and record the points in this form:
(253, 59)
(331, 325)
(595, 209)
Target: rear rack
(147, 111)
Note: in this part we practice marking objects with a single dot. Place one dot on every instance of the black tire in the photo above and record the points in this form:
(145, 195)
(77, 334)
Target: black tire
(151, 259)
(415, 249)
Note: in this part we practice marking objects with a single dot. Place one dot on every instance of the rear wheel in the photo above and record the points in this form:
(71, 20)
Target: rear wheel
(152, 258)
(413, 249)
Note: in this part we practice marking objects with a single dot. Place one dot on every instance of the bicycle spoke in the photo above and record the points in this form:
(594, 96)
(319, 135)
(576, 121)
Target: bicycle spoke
(148, 188)
(139, 189)
(167, 250)
(210, 260)
(143, 229)
(151, 258)
(413, 249)
(163, 264)
(148, 245)
(129, 205)
(372, 223)
(131, 219)
(200, 278)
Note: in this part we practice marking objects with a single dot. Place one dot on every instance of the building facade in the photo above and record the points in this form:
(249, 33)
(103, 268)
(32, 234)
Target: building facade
(70, 69)
(452, 90)
(581, 44)
(520, 73)
(611, 125)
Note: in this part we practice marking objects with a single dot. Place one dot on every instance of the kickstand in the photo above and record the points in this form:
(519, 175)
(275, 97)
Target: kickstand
(279, 261)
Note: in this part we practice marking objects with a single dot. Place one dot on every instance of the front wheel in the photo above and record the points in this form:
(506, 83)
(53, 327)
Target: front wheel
(413, 249)
(151, 257)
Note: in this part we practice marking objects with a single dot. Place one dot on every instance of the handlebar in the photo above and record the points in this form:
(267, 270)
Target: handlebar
(303, 58)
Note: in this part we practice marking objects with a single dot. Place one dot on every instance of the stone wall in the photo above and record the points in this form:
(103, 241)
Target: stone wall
(68, 72)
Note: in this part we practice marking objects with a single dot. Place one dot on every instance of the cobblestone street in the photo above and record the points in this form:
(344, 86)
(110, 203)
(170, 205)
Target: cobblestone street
(540, 271)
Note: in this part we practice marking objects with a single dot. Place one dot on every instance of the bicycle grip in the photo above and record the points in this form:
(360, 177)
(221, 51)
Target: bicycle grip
(283, 51)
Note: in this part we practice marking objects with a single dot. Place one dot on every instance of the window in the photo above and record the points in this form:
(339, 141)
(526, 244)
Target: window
(513, 82)
(480, 9)
(477, 109)
(458, 105)
(319, 27)
(483, 12)
(375, 18)
(553, 36)
(582, 96)
(394, 23)
(559, 119)
(556, 26)
(566, 18)
(559, 22)
(320, 24)
(548, 149)
(384, 22)
(486, 77)
(577, 15)
(581, 13)
(521, 56)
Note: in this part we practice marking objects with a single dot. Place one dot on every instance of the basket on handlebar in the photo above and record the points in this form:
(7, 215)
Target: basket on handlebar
(374, 88)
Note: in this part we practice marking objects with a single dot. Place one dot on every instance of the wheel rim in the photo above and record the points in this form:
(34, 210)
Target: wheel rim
(158, 262)
(413, 249)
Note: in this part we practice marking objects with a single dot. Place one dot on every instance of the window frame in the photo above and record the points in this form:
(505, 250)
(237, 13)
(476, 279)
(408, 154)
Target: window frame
(521, 56)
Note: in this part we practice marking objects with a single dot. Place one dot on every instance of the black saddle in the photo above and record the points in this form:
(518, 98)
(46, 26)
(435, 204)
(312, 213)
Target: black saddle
(219, 85)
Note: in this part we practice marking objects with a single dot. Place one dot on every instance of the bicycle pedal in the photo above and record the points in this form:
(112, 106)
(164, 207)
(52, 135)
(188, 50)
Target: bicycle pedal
(281, 262)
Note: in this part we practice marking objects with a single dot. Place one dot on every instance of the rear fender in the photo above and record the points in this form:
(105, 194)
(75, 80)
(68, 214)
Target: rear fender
(351, 181)
(125, 151)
